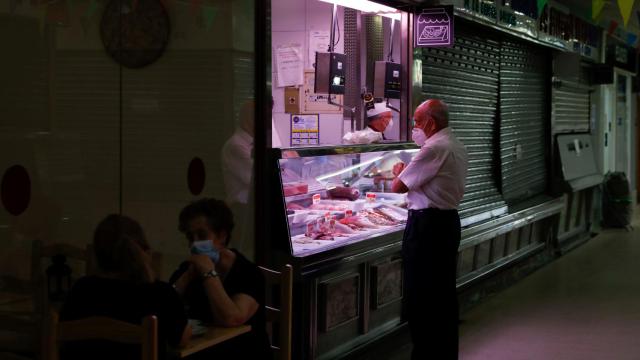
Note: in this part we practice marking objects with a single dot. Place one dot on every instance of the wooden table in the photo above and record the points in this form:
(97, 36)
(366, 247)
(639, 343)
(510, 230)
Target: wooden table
(214, 335)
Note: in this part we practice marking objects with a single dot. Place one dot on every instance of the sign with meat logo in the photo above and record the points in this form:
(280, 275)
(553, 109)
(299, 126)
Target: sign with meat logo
(434, 27)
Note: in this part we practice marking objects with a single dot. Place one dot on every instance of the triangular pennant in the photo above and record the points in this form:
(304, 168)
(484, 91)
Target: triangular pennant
(209, 13)
(541, 4)
(631, 39)
(625, 10)
(596, 8)
(613, 25)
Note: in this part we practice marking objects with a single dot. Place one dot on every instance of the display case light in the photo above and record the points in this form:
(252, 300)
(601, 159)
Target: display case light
(368, 7)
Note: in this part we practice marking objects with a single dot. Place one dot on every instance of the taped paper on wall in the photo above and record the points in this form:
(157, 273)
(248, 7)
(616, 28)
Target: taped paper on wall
(289, 65)
(318, 41)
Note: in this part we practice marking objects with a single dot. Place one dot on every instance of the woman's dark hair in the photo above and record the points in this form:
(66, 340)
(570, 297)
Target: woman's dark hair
(217, 213)
(119, 243)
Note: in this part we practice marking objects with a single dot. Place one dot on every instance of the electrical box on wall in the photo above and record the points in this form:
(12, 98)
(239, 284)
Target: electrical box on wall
(386, 82)
(292, 100)
(330, 73)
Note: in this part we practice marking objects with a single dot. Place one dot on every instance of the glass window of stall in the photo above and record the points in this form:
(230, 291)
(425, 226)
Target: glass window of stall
(340, 105)
(108, 110)
(339, 71)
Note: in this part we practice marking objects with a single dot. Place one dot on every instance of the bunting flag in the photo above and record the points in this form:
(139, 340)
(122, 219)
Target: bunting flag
(613, 25)
(541, 4)
(625, 9)
(631, 39)
(208, 14)
(596, 8)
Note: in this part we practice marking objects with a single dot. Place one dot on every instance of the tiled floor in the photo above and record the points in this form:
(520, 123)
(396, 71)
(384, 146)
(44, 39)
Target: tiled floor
(583, 306)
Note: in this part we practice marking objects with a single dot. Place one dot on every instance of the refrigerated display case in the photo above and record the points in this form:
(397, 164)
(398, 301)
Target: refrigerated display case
(332, 215)
(340, 196)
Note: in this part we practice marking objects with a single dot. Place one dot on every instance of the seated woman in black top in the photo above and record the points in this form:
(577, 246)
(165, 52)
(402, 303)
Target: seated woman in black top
(222, 287)
(124, 289)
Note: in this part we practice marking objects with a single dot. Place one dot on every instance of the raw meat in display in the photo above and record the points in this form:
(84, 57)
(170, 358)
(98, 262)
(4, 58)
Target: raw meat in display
(294, 206)
(331, 207)
(295, 189)
(359, 221)
(344, 229)
(392, 214)
(341, 192)
(378, 218)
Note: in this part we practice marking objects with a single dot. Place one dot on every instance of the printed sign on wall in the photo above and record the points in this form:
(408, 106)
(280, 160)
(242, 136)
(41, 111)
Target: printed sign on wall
(434, 27)
(305, 129)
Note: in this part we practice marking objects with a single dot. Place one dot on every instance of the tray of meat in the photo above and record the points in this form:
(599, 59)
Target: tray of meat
(338, 205)
(296, 188)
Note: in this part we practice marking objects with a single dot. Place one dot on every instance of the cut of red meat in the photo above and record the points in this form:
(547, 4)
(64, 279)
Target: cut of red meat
(295, 189)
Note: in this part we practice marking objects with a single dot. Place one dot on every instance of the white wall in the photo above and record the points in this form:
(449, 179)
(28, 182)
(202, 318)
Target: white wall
(291, 22)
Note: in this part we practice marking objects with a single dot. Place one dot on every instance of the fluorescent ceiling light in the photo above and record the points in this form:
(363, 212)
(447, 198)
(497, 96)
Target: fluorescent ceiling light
(368, 7)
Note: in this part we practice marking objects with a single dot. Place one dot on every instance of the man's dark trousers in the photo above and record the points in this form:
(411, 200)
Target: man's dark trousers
(429, 252)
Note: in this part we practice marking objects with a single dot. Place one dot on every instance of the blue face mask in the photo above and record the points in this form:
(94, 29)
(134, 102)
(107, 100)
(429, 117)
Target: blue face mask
(205, 247)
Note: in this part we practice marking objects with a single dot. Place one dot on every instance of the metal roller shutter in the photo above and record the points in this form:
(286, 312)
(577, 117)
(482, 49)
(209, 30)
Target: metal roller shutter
(522, 121)
(570, 106)
(466, 77)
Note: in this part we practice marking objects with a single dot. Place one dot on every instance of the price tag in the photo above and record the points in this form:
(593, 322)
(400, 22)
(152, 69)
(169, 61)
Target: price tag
(316, 198)
(310, 228)
(371, 197)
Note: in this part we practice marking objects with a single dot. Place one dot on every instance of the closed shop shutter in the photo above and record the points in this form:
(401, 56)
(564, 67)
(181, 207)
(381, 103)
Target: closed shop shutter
(466, 77)
(569, 106)
(523, 95)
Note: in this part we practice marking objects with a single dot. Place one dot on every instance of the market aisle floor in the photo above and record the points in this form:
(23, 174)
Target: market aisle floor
(585, 305)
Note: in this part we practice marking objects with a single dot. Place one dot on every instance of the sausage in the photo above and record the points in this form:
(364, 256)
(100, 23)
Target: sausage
(341, 192)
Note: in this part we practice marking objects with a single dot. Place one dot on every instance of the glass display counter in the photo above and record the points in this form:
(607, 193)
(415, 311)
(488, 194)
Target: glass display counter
(341, 195)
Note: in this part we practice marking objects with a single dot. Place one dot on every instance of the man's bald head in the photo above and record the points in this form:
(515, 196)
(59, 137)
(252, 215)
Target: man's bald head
(435, 111)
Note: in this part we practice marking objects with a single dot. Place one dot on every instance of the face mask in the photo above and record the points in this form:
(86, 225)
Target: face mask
(205, 247)
(418, 136)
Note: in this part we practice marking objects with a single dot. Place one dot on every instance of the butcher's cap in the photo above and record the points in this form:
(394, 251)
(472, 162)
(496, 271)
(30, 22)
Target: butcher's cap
(379, 108)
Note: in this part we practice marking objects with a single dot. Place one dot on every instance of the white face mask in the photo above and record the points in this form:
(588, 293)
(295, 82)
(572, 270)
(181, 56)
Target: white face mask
(418, 136)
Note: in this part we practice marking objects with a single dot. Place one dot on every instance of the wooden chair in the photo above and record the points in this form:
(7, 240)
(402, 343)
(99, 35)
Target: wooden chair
(101, 328)
(21, 322)
(283, 280)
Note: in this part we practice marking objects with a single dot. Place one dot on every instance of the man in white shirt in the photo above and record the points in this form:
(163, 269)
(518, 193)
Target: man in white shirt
(434, 182)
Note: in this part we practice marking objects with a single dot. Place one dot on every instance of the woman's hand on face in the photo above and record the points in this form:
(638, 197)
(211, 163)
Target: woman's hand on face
(201, 263)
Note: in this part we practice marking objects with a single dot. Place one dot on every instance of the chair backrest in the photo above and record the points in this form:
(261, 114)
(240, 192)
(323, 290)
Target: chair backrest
(101, 328)
(280, 315)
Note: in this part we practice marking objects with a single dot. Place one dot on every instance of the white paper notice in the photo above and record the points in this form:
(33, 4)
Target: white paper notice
(318, 41)
(289, 65)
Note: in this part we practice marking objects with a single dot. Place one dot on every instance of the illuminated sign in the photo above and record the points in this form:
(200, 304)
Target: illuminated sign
(434, 27)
